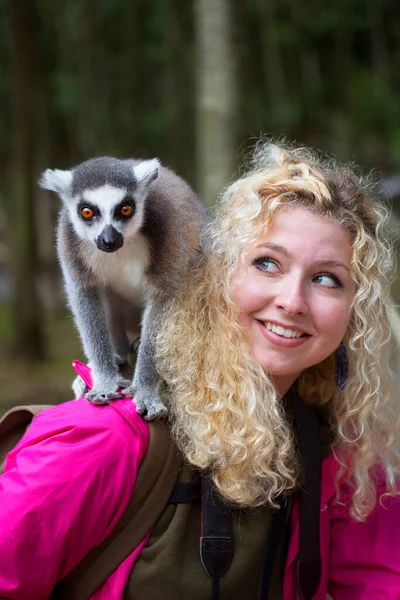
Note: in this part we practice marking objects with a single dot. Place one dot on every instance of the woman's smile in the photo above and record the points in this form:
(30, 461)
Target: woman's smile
(282, 336)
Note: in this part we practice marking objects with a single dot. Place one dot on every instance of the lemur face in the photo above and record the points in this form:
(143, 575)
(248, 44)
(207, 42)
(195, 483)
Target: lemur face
(106, 215)
(105, 198)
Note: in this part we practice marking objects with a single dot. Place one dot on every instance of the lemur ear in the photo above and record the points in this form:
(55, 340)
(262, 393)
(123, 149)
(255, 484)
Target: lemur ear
(147, 171)
(56, 180)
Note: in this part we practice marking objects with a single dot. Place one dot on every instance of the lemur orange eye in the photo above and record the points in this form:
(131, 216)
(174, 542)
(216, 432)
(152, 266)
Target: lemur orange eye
(126, 210)
(86, 212)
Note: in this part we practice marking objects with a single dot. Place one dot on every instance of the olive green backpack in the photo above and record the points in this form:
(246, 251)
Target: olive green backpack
(155, 481)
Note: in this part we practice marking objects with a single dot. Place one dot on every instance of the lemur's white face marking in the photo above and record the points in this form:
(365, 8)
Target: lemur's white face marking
(109, 215)
(95, 209)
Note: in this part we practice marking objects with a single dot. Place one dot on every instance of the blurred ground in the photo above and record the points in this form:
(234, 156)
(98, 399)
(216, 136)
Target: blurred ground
(48, 382)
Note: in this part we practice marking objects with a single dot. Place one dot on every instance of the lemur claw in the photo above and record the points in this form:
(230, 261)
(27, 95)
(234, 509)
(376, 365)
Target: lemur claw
(104, 393)
(102, 399)
(148, 403)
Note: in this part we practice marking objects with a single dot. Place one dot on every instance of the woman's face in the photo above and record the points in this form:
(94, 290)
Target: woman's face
(293, 291)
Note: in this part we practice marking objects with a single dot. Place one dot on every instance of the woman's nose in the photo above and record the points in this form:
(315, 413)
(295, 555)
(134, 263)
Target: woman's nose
(291, 296)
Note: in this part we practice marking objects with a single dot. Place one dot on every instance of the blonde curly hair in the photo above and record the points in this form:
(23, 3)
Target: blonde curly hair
(225, 412)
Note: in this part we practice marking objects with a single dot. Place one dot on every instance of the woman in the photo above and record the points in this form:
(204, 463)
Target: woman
(278, 345)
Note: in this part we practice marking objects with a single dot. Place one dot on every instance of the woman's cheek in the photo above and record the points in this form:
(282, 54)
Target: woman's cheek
(335, 322)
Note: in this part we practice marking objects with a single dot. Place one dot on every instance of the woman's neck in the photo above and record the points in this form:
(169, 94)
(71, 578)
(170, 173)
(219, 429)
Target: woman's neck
(284, 382)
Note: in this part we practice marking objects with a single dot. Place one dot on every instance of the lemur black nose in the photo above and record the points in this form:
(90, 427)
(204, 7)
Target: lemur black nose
(109, 239)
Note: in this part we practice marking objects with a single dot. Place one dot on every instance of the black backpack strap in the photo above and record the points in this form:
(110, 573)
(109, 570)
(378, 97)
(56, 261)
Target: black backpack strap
(275, 537)
(184, 493)
(216, 540)
(156, 478)
(309, 564)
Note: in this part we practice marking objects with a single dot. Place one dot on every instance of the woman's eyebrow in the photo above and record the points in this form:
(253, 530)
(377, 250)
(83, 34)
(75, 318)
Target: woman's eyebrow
(276, 247)
(285, 251)
(333, 263)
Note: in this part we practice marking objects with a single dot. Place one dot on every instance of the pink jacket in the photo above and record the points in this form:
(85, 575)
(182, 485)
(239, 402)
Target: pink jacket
(68, 481)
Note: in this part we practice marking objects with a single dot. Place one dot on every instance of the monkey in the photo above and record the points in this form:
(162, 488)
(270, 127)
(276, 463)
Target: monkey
(128, 233)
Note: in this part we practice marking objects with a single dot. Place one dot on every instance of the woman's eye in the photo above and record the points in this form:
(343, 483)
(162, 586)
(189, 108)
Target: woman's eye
(126, 210)
(87, 212)
(266, 264)
(327, 280)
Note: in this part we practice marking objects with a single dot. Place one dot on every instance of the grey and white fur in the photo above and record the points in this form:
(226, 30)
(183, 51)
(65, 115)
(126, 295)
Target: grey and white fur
(128, 233)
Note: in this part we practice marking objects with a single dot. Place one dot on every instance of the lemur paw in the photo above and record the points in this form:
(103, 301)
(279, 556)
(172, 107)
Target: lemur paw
(79, 387)
(107, 391)
(148, 403)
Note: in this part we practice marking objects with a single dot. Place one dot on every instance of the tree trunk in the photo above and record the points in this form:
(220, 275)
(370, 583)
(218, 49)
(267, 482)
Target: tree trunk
(127, 92)
(94, 125)
(179, 96)
(28, 330)
(216, 138)
(272, 62)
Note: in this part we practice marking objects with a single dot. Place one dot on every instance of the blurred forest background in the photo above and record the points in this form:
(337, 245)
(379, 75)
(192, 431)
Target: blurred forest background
(194, 82)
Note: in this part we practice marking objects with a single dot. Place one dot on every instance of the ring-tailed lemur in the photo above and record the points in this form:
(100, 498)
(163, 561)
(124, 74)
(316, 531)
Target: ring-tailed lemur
(128, 233)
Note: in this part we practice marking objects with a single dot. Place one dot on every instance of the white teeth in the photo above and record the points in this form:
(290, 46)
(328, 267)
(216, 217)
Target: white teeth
(279, 330)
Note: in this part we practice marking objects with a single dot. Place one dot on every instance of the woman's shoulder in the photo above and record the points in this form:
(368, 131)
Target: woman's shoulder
(118, 418)
(69, 478)
(87, 424)
(79, 437)
(84, 424)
